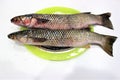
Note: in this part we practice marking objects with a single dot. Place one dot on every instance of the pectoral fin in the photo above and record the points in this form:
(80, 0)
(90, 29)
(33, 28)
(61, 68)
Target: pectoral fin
(42, 21)
(40, 39)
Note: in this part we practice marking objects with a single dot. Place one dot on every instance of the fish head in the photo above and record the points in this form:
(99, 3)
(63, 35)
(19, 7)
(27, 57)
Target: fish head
(20, 36)
(23, 20)
(28, 37)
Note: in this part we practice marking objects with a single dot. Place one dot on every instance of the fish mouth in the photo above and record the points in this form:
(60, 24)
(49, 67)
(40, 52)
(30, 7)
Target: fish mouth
(16, 20)
(11, 36)
(12, 20)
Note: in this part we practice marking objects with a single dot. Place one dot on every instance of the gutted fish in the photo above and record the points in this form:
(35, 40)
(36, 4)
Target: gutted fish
(64, 38)
(63, 21)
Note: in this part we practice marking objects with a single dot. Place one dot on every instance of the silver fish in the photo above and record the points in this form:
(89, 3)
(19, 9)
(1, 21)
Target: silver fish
(64, 38)
(63, 21)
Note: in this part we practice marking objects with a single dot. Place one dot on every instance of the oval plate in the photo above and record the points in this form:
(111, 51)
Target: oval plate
(56, 56)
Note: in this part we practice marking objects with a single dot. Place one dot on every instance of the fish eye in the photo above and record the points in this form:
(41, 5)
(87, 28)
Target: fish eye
(21, 17)
(15, 19)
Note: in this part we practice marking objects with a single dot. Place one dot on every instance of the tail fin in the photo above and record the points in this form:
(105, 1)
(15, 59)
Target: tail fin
(106, 21)
(107, 45)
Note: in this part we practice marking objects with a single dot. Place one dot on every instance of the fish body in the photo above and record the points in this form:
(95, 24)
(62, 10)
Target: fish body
(63, 38)
(62, 21)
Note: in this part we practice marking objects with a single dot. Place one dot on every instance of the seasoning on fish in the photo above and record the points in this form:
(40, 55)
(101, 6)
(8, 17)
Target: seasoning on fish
(64, 38)
(63, 21)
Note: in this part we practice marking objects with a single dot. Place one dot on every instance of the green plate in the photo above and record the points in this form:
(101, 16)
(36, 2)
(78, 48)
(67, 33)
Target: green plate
(56, 56)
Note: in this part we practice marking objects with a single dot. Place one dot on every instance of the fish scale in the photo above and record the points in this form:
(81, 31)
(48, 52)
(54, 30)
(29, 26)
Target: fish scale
(63, 30)
(63, 21)
(64, 38)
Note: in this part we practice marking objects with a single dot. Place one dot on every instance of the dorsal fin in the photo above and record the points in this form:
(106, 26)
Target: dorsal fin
(83, 13)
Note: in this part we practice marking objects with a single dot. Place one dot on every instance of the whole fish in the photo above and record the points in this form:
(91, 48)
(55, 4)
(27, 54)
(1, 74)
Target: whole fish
(64, 38)
(63, 21)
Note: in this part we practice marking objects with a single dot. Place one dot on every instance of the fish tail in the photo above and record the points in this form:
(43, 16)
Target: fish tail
(106, 21)
(108, 43)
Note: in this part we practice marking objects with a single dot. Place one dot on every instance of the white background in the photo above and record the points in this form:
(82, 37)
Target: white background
(16, 63)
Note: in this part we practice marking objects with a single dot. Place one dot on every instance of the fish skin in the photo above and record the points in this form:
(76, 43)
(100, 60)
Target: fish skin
(63, 21)
(64, 38)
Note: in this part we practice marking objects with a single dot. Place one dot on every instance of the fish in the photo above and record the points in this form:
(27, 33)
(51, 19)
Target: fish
(54, 48)
(64, 38)
(63, 21)
(57, 49)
